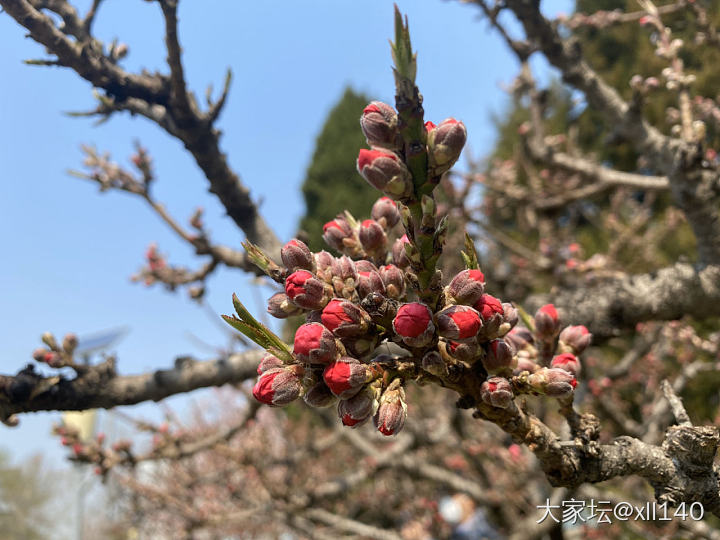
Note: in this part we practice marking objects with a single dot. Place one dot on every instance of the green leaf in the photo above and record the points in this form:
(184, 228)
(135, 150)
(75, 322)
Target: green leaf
(248, 331)
(469, 256)
(526, 318)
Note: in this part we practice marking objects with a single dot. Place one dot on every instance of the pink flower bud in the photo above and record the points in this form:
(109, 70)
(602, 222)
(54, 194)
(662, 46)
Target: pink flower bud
(305, 290)
(363, 265)
(467, 287)
(372, 237)
(319, 396)
(500, 358)
(280, 306)
(384, 171)
(385, 209)
(510, 319)
(346, 376)
(413, 323)
(278, 386)
(70, 342)
(496, 391)
(553, 382)
(356, 410)
(394, 280)
(323, 266)
(337, 233)
(525, 363)
(458, 322)
(429, 126)
(314, 344)
(567, 361)
(577, 338)
(345, 319)
(296, 255)
(267, 363)
(547, 322)
(520, 338)
(392, 411)
(467, 351)
(379, 123)
(399, 256)
(39, 354)
(369, 282)
(344, 276)
(445, 142)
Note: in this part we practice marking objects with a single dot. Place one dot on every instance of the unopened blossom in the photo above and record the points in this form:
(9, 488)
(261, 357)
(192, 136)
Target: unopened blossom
(575, 338)
(547, 322)
(305, 290)
(385, 212)
(385, 171)
(267, 363)
(567, 361)
(280, 306)
(278, 386)
(296, 255)
(369, 282)
(399, 255)
(467, 287)
(379, 123)
(499, 358)
(319, 395)
(394, 279)
(458, 322)
(413, 323)
(314, 344)
(445, 143)
(344, 318)
(355, 411)
(346, 376)
(372, 237)
(496, 391)
(553, 382)
(338, 234)
(392, 410)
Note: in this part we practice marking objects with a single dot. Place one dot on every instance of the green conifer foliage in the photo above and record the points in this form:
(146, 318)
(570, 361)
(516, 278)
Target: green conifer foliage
(332, 181)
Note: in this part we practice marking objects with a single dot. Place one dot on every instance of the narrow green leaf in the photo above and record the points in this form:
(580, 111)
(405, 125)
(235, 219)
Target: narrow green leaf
(525, 317)
(470, 255)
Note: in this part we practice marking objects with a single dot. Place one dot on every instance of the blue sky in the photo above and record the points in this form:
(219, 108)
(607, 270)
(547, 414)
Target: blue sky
(69, 250)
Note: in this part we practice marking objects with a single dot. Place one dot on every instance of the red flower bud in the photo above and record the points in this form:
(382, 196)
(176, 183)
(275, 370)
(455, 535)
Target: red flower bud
(547, 322)
(296, 255)
(39, 354)
(278, 386)
(399, 256)
(413, 323)
(346, 376)
(394, 280)
(392, 410)
(567, 361)
(363, 265)
(314, 344)
(385, 209)
(496, 391)
(577, 338)
(280, 306)
(306, 290)
(510, 318)
(500, 357)
(337, 233)
(355, 411)
(384, 171)
(267, 363)
(458, 322)
(429, 126)
(445, 142)
(319, 396)
(369, 282)
(467, 287)
(489, 307)
(372, 237)
(379, 124)
(345, 319)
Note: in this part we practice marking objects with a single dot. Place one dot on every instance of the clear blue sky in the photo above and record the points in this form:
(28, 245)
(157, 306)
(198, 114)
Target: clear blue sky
(68, 251)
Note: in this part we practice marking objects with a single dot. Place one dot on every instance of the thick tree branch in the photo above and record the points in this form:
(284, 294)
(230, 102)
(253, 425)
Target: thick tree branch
(617, 305)
(100, 386)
